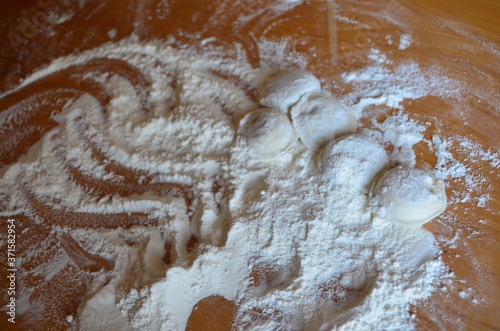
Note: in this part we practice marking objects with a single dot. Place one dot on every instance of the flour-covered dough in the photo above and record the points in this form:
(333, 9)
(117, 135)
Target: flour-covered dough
(409, 196)
(353, 162)
(266, 133)
(285, 88)
(319, 118)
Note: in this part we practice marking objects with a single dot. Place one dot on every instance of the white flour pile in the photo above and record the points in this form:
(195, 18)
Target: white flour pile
(337, 265)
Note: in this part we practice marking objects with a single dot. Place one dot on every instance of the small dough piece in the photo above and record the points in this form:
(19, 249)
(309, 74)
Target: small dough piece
(353, 161)
(409, 196)
(285, 88)
(319, 118)
(266, 133)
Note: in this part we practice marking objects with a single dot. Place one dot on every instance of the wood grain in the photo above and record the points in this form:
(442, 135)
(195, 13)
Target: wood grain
(458, 38)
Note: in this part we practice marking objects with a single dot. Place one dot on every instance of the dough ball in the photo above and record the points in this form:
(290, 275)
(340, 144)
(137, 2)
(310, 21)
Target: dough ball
(266, 133)
(409, 196)
(285, 88)
(319, 119)
(353, 161)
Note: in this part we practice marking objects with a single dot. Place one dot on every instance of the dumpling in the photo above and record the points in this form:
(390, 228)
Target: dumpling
(266, 133)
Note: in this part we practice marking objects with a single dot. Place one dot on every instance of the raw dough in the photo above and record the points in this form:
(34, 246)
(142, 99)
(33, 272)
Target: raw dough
(319, 118)
(266, 133)
(359, 152)
(285, 88)
(409, 196)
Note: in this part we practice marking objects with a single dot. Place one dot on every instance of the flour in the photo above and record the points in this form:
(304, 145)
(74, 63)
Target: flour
(404, 41)
(403, 133)
(337, 264)
(379, 85)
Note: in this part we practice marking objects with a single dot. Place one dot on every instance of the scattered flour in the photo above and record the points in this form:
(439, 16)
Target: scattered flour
(336, 264)
(404, 41)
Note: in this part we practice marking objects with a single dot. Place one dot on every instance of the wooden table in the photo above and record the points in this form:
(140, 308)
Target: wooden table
(461, 37)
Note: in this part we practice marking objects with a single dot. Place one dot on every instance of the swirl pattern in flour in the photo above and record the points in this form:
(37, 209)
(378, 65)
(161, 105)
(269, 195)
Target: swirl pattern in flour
(123, 167)
(109, 138)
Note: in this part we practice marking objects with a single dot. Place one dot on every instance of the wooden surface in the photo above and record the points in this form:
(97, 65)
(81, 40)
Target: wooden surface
(461, 37)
